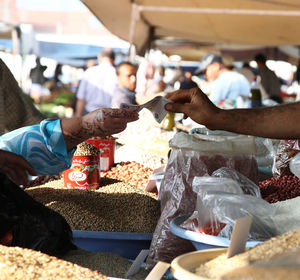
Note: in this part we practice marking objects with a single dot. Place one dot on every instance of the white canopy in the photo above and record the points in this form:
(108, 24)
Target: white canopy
(251, 23)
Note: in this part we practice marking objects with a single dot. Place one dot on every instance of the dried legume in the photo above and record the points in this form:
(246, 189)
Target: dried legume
(280, 188)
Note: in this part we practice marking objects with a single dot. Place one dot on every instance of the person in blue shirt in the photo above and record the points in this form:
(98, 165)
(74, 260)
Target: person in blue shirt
(226, 85)
(125, 91)
(47, 148)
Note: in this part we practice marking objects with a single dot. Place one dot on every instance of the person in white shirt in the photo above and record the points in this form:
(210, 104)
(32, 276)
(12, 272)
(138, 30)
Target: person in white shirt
(97, 85)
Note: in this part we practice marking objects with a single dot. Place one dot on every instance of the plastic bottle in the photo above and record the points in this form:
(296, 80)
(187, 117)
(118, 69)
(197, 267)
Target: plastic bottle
(169, 122)
(255, 94)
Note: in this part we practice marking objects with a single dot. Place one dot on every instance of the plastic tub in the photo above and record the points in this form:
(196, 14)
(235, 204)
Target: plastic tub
(183, 267)
(125, 244)
(201, 241)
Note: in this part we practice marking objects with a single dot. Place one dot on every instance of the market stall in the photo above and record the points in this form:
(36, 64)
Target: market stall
(196, 25)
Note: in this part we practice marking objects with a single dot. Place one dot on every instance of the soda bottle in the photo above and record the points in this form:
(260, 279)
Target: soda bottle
(169, 122)
(255, 98)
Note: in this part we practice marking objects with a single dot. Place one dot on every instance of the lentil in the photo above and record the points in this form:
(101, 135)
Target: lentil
(86, 149)
(107, 263)
(26, 264)
(116, 207)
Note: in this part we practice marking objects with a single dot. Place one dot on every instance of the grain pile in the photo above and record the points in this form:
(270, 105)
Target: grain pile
(275, 246)
(132, 173)
(116, 207)
(146, 158)
(86, 149)
(107, 263)
(18, 263)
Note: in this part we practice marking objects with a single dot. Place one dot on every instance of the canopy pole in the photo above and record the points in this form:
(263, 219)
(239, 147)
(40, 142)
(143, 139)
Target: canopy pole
(257, 12)
(135, 16)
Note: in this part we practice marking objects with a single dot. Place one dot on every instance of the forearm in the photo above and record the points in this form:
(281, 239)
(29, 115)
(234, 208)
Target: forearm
(80, 107)
(279, 122)
(75, 131)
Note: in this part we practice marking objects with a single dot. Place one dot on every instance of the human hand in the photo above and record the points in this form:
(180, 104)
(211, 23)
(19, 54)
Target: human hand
(15, 167)
(192, 103)
(105, 122)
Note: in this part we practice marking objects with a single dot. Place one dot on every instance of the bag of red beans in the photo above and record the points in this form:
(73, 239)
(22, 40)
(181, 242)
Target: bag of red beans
(195, 155)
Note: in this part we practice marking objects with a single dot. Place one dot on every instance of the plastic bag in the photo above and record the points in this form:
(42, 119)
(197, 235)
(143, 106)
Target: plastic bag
(228, 207)
(223, 198)
(29, 224)
(266, 152)
(287, 149)
(192, 156)
(295, 165)
(203, 220)
(247, 185)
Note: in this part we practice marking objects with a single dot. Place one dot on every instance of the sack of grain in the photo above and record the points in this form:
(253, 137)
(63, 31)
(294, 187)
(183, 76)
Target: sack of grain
(282, 244)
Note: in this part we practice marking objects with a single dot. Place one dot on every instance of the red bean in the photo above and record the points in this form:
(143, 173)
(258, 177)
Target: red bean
(130, 172)
(280, 188)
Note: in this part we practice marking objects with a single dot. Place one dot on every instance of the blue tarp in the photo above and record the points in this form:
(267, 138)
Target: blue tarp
(6, 44)
(73, 54)
(64, 53)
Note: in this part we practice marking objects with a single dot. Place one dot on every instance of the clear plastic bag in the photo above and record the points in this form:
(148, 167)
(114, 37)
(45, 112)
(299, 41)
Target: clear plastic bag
(266, 152)
(224, 197)
(203, 220)
(228, 207)
(295, 165)
(192, 156)
(247, 185)
(286, 150)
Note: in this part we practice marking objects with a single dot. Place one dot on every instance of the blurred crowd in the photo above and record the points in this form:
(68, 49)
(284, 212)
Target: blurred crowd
(103, 83)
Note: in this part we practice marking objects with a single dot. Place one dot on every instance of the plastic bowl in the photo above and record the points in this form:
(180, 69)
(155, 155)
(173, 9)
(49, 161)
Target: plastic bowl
(183, 267)
(125, 244)
(201, 241)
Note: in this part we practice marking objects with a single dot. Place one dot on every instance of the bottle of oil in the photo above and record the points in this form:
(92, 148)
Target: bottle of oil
(169, 122)
(255, 98)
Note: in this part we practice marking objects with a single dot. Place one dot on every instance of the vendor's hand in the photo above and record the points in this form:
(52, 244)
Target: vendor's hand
(15, 167)
(192, 103)
(105, 122)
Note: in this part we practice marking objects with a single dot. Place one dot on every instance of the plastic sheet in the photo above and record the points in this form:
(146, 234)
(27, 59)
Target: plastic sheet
(190, 157)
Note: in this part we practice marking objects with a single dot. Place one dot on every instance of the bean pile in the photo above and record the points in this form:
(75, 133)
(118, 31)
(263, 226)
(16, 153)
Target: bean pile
(132, 173)
(280, 188)
(116, 207)
(146, 158)
(86, 149)
(107, 263)
(25, 264)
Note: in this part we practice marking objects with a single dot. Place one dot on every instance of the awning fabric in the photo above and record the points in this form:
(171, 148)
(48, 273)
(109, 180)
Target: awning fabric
(252, 23)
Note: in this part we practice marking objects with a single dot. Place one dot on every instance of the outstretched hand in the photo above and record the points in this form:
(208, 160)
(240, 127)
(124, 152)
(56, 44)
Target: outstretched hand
(192, 103)
(101, 122)
(15, 167)
(104, 122)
